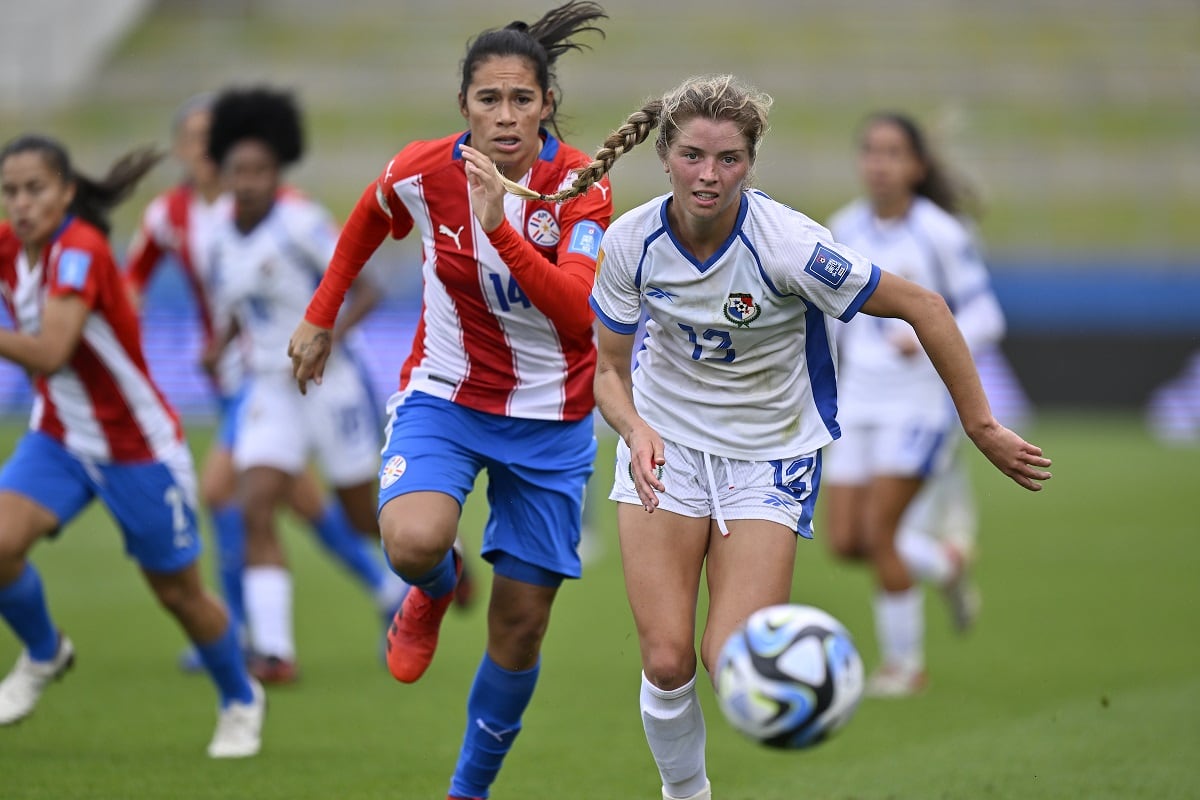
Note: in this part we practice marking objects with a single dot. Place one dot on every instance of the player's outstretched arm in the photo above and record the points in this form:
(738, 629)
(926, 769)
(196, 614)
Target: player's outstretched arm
(309, 349)
(929, 315)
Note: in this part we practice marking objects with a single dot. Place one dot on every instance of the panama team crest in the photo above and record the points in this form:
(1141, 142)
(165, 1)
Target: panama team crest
(542, 228)
(741, 310)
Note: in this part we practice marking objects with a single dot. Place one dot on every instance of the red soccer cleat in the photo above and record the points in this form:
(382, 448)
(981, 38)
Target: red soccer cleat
(413, 635)
(273, 671)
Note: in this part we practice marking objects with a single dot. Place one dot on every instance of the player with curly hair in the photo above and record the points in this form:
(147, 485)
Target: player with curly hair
(265, 256)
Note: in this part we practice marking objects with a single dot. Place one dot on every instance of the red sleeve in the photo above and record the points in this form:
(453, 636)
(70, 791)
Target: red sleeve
(140, 262)
(366, 229)
(560, 291)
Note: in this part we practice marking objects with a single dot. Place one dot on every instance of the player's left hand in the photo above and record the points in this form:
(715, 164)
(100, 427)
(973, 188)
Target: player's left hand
(309, 349)
(1012, 455)
(487, 192)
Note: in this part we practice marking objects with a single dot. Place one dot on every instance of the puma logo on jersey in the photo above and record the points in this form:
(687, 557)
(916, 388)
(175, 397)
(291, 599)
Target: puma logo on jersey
(452, 234)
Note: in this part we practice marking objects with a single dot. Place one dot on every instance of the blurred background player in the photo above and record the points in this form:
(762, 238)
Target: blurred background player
(500, 373)
(897, 492)
(179, 225)
(1173, 409)
(266, 255)
(100, 428)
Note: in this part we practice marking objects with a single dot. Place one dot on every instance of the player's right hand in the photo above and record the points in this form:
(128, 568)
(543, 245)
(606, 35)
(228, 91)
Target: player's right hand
(646, 460)
(309, 349)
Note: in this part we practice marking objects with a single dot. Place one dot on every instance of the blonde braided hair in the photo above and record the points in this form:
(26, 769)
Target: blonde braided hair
(637, 127)
(715, 97)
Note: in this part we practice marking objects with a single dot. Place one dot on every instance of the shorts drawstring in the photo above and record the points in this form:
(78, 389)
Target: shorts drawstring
(716, 501)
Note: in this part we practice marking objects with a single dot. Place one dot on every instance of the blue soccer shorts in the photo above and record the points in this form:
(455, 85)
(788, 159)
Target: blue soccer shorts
(153, 502)
(537, 473)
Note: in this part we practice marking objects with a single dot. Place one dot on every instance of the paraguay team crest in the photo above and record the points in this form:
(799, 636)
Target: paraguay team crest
(392, 471)
(542, 228)
(741, 310)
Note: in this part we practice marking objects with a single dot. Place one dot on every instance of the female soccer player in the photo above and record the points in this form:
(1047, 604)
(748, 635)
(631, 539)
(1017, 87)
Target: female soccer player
(181, 223)
(723, 422)
(100, 428)
(893, 479)
(266, 257)
(500, 373)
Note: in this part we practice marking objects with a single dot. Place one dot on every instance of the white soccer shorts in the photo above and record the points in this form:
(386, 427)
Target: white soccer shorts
(336, 421)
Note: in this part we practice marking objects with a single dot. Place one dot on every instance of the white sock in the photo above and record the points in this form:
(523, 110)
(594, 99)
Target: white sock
(958, 519)
(674, 724)
(925, 557)
(390, 593)
(269, 611)
(900, 626)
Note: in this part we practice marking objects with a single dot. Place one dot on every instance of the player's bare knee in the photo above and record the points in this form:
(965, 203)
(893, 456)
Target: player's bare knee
(669, 667)
(12, 556)
(214, 495)
(412, 549)
(518, 637)
(181, 597)
(847, 548)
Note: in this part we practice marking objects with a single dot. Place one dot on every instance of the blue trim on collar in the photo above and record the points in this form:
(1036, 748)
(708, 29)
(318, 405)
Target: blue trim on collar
(459, 143)
(59, 231)
(549, 147)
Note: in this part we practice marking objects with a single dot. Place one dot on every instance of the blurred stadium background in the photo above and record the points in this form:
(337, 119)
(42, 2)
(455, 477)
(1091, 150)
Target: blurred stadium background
(1077, 120)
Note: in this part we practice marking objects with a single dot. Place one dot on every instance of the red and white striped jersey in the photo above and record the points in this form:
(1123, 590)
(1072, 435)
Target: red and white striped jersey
(180, 222)
(102, 405)
(505, 327)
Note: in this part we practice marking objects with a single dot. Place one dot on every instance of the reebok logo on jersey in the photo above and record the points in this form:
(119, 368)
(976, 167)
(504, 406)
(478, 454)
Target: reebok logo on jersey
(585, 239)
(542, 228)
(445, 230)
(741, 310)
(392, 471)
(73, 267)
(660, 294)
(827, 267)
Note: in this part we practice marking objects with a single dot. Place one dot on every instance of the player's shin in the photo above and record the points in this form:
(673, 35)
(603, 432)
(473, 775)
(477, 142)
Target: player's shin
(497, 700)
(674, 725)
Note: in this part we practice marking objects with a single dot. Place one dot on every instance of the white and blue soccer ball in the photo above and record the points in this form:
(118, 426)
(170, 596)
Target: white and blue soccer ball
(789, 676)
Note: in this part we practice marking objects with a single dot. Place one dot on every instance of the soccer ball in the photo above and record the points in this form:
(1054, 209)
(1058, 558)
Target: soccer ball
(789, 676)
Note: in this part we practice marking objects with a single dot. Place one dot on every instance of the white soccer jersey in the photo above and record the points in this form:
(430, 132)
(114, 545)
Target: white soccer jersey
(739, 358)
(930, 247)
(181, 222)
(267, 276)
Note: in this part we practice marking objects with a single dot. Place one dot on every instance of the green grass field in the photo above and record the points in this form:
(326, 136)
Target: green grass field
(1081, 681)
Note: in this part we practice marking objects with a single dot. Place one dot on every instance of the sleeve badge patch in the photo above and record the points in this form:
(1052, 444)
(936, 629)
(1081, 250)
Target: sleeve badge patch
(73, 268)
(828, 267)
(585, 239)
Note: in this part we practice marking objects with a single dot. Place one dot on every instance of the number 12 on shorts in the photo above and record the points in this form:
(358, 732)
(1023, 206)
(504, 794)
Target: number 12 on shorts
(790, 478)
